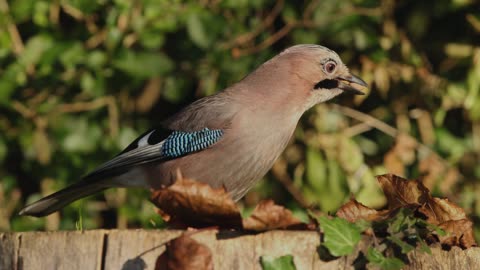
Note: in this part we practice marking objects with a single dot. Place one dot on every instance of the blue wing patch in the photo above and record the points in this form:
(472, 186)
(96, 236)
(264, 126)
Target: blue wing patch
(181, 143)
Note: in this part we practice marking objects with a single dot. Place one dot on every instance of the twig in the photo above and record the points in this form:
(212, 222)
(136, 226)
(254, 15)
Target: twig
(107, 101)
(267, 42)
(305, 22)
(357, 129)
(245, 38)
(17, 42)
(367, 119)
(70, 10)
(387, 129)
(25, 111)
(473, 21)
(310, 9)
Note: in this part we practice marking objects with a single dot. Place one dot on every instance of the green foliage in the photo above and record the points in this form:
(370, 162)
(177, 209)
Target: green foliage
(393, 237)
(280, 263)
(80, 79)
(79, 222)
(340, 236)
(376, 258)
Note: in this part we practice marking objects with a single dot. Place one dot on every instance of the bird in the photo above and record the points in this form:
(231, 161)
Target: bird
(230, 139)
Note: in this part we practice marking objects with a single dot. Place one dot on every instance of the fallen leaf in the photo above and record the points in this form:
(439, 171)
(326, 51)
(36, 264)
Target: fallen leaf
(269, 216)
(459, 233)
(354, 211)
(197, 204)
(189, 203)
(441, 210)
(401, 192)
(184, 253)
(451, 218)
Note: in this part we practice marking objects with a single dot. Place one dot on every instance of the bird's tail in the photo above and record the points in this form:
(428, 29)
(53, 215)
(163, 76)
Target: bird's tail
(57, 200)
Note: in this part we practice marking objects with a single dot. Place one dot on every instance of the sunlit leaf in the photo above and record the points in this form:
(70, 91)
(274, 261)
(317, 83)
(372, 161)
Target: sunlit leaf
(386, 263)
(340, 236)
(281, 263)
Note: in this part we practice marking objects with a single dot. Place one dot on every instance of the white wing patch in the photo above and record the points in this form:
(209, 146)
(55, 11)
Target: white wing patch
(144, 140)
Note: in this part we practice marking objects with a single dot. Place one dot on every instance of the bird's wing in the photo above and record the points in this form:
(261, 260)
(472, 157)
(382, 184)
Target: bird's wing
(157, 145)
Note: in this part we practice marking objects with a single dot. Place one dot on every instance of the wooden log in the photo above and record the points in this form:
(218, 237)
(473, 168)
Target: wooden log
(139, 249)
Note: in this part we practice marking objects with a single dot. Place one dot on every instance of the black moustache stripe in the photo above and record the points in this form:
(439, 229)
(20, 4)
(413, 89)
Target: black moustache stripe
(326, 84)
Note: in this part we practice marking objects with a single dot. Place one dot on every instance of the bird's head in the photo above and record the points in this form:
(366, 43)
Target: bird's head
(321, 72)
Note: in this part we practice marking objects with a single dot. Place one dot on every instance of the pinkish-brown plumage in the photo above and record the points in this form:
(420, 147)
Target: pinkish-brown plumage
(257, 117)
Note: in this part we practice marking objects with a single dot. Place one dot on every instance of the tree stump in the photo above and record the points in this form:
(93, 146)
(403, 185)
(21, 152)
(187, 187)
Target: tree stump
(140, 249)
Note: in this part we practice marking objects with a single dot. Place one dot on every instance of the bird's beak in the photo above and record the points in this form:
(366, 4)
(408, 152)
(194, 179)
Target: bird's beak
(351, 83)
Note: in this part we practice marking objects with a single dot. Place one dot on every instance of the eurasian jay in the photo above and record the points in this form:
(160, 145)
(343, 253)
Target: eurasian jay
(230, 139)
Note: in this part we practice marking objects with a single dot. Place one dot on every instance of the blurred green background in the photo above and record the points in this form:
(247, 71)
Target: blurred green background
(80, 79)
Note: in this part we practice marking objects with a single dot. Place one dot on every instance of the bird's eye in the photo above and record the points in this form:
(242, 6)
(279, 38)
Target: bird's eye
(330, 66)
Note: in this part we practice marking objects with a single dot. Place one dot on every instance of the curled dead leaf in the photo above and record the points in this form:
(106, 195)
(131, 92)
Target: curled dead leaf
(197, 204)
(451, 218)
(401, 192)
(441, 210)
(354, 211)
(269, 216)
(459, 233)
(189, 203)
(184, 253)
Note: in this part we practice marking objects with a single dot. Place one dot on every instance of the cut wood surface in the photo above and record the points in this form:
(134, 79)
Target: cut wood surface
(139, 249)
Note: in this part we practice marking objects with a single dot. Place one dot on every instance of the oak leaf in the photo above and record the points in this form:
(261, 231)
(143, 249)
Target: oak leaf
(189, 203)
(459, 233)
(184, 253)
(269, 216)
(401, 192)
(354, 211)
(196, 204)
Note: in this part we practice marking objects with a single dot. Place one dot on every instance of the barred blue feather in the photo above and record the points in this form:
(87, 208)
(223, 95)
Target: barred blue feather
(181, 143)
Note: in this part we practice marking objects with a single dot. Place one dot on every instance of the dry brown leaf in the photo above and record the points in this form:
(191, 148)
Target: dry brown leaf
(354, 211)
(189, 203)
(441, 210)
(184, 253)
(459, 233)
(401, 192)
(451, 218)
(269, 216)
(197, 204)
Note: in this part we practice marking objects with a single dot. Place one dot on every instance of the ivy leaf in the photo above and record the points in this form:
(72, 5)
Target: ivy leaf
(376, 258)
(406, 247)
(424, 246)
(280, 263)
(402, 220)
(143, 64)
(434, 228)
(340, 236)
